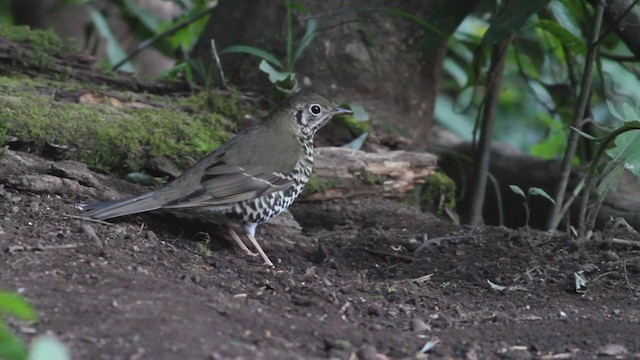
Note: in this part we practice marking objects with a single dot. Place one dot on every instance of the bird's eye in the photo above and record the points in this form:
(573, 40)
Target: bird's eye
(315, 109)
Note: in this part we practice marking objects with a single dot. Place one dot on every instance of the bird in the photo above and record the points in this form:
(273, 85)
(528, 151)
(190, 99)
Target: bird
(248, 180)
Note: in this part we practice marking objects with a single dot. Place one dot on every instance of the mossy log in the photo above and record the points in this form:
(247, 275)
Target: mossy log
(342, 172)
(51, 97)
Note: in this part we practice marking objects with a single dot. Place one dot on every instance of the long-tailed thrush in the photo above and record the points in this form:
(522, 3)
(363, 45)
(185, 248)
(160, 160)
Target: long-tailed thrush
(248, 180)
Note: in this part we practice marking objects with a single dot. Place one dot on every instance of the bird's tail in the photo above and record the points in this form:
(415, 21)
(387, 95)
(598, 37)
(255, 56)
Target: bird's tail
(115, 208)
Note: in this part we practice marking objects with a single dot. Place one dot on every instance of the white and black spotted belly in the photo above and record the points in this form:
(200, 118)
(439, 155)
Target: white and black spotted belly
(261, 209)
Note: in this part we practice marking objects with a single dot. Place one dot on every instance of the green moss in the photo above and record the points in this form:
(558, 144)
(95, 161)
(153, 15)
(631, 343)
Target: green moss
(212, 102)
(203, 249)
(44, 45)
(354, 125)
(316, 185)
(439, 190)
(366, 177)
(107, 137)
(25, 84)
(3, 132)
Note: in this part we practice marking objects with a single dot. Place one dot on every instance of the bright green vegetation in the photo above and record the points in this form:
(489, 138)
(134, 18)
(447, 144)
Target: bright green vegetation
(439, 190)
(316, 185)
(12, 347)
(44, 45)
(102, 134)
(354, 125)
(107, 137)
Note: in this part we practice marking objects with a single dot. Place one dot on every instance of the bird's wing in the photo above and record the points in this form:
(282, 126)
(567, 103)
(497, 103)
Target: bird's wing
(242, 172)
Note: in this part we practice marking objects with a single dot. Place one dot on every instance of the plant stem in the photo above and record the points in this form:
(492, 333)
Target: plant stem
(289, 36)
(498, 57)
(591, 178)
(572, 142)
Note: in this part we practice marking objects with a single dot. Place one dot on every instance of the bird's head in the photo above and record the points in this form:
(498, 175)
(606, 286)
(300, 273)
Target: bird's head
(308, 112)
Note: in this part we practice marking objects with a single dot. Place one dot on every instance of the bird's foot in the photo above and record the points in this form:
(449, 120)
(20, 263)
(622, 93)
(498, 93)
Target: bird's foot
(246, 250)
(259, 248)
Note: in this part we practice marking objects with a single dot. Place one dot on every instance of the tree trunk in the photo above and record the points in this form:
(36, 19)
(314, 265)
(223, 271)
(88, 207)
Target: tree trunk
(364, 53)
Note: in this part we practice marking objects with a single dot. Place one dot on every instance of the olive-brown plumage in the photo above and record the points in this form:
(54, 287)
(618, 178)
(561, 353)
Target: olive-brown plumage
(248, 180)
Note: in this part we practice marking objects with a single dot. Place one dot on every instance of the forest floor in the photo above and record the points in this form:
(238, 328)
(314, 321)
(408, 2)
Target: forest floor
(350, 285)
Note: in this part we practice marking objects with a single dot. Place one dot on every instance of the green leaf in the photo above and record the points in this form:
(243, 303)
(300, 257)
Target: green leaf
(574, 43)
(48, 348)
(511, 19)
(15, 305)
(357, 142)
(171, 72)
(114, 51)
(612, 109)
(274, 75)
(198, 68)
(265, 55)
(149, 21)
(299, 7)
(583, 134)
(359, 113)
(627, 147)
(555, 143)
(416, 19)
(566, 18)
(517, 190)
(496, 287)
(11, 348)
(540, 192)
(629, 113)
(459, 123)
(310, 33)
(532, 49)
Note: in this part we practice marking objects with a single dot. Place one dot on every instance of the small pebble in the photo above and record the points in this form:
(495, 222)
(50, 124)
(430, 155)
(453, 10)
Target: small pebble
(611, 256)
(418, 325)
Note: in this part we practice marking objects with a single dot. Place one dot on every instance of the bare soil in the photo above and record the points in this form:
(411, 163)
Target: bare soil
(348, 286)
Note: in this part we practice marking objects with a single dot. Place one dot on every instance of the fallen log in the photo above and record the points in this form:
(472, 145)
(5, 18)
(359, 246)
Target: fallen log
(342, 172)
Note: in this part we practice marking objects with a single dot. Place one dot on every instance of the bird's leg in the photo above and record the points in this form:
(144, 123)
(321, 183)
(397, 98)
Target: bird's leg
(260, 251)
(250, 231)
(241, 244)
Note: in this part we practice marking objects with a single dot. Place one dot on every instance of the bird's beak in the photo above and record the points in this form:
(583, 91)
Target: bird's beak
(340, 111)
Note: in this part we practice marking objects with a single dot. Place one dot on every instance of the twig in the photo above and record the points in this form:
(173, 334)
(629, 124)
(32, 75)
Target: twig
(574, 136)
(15, 248)
(214, 52)
(624, 242)
(56, 247)
(498, 57)
(438, 240)
(620, 58)
(88, 219)
(406, 259)
(423, 278)
(626, 275)
(602, 275)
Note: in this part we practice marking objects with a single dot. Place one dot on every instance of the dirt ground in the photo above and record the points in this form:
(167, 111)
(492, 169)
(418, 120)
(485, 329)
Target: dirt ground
(348, 286)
